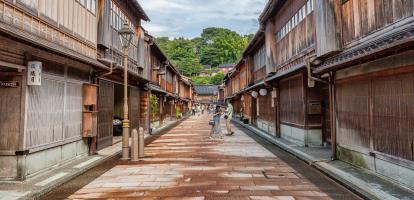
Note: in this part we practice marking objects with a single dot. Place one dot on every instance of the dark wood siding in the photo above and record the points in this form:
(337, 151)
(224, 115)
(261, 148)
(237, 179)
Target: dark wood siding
(267, 112)
(375, 112)
(361, 17)
(105, 113)
(10, 114)
(353, 113)
(260, 74)
(292, 100)
(299, 38)
(247, 104)
(134, 104)
(393, 115)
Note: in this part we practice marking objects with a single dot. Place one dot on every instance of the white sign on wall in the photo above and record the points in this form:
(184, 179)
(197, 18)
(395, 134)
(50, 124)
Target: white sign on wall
(34, 73)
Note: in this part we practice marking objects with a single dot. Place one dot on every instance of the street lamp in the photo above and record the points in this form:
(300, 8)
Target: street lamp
(125, 35)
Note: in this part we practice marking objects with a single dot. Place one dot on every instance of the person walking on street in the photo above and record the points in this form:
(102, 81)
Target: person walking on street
(228, 117)
(216, 129)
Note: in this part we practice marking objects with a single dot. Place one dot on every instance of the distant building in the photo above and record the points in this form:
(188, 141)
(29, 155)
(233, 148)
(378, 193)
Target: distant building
(226, 67)
(215, 71)
(206, 94)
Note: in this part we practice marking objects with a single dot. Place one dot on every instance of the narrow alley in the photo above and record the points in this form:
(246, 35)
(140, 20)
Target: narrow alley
(184, 164)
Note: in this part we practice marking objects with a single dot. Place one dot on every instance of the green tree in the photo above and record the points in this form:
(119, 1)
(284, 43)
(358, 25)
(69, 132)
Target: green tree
(182, 53)
(219, 45)
(154, 106)
(217, 79)
(215, 46)
(214, 80)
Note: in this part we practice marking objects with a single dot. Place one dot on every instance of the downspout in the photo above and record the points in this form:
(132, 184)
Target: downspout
(332, 106)
(111, 67)
(308, 67)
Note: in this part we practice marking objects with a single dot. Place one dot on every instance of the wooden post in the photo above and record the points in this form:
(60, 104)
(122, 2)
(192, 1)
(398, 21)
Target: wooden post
(141, 143)
(125, 124)
(135, 146)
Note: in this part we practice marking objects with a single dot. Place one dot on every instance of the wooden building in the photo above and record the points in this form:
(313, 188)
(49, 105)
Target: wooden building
(111, 15)
(289, 28)
(170, 93)
(206, 94)
(42, 102)
(340, 75)
(367, 54)
(61, 82)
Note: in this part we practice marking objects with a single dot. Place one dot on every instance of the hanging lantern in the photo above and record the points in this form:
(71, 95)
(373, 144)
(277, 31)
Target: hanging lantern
(263, 92)
(255, 94)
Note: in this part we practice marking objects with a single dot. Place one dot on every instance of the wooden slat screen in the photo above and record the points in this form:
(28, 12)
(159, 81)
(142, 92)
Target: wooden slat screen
(353, 113)
(377, 110)
(10, 101)
(295, 39)
(266, 111)
(45, 113)
(243, 76)
(247, 105)
(292, 101)
(393, 115)
(260, 74)
(361, 17)
(134, 104)
(73, 110)
(105, 113)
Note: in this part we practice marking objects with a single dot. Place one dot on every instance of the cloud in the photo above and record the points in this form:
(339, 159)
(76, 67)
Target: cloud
(187, 18)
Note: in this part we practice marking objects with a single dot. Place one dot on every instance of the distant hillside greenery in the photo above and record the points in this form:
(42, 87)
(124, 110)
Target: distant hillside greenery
(215, 46)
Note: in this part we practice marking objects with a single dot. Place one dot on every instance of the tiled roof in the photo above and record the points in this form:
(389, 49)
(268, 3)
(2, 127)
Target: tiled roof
(206, 89)
(226, 65)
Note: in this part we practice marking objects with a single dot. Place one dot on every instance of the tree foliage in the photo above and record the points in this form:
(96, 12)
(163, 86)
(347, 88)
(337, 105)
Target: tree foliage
(215, 46)
(214, 80)
(154, 106)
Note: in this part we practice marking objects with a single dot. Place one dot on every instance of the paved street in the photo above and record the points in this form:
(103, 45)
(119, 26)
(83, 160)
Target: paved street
(184, 164)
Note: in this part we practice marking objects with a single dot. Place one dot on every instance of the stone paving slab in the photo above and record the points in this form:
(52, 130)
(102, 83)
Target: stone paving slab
(365, 182)
(42, 183)
(185, 164)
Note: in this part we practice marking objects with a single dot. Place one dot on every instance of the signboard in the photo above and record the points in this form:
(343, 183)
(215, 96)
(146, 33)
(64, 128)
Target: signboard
(9, 84)
(34, 73)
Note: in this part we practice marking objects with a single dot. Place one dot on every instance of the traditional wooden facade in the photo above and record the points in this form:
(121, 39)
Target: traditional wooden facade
(111, 16)
(170, 93)
(339, 74)
(368, 57)
(206, 94)
(76, 48)
(45, 118)
(290, 26)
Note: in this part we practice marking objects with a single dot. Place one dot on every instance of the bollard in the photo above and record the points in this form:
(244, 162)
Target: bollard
(135, 143)
(141, 142)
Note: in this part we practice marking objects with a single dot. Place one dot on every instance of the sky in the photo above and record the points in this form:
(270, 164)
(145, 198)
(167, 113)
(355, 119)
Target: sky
(187, 18)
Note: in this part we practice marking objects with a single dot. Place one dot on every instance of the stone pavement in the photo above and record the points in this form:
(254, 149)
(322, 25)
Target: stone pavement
(364, 182)
(184, 164)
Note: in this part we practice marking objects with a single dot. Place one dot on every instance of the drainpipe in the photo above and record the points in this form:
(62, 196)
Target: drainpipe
(308, 67)
(111, 66)
(332, 106)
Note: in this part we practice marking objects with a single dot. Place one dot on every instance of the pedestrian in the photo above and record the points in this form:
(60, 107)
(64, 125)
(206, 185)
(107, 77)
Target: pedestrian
(198, 109)
(193, 110)
(202, 109)
(228, 116)
(216, 129)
